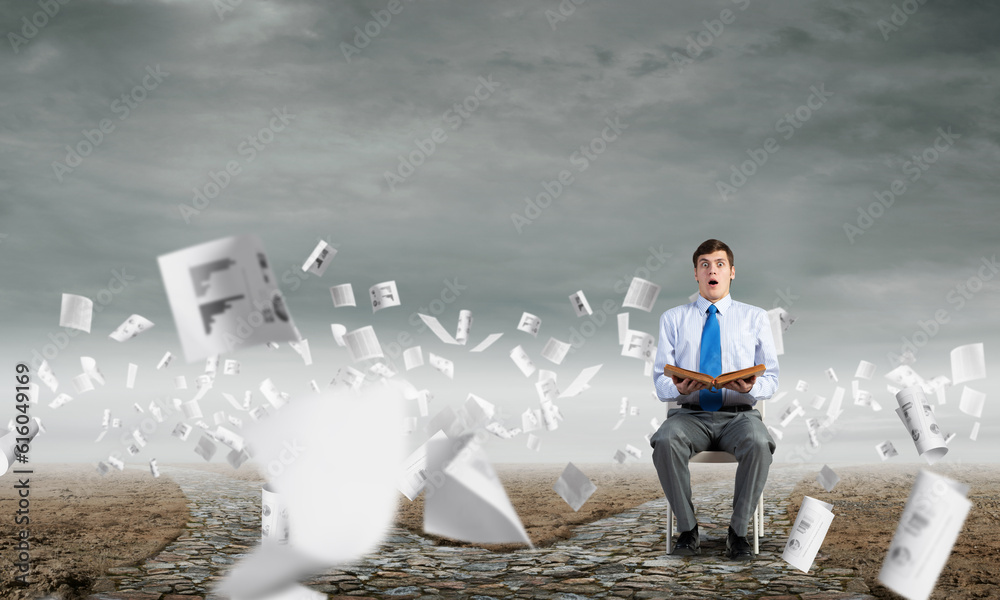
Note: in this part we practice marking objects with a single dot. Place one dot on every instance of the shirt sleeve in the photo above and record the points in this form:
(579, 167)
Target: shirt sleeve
(665, 388)
(765, 354)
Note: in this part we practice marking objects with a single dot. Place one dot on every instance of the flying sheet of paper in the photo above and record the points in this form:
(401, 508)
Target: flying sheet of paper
(620, 457)
(231, 367)
(302, 348)
(413, 357)
(497, 429)
(833, 411)
(206, 448)
(413, 470)
(464, 326)
(547, 392)
(167, 357)
(470, 504)
(223, 295)
(342, 295)
(131, 327)
(833, 376)
(60, 400)
(348, 377)
(534, 442)
(441, 364)
(971, 402)
(339, 331)
(808, 533)
(581, 382)
(641, 294)
(319, 259)
(82, 383)
(639, 344)
(633, 451)
(827, 478)
(437, 329)
(192, 410)
(229, 437)
(529, 323)
(968, 363)
(801, 386)
(180, 382)
(362, 344)
(90, 368)
(580, 304)
(383, 295)
(574, 487)
(886, 450)
(522, 360)
(486, 343)
(622, 327)
(818, 402)
(76, 312)
(975, 431)
(235, 459)
(271, 393)
(47, 376)
(531, 420)
(865, 370)
(793, 410)
(555, 350)
(927, 530)
(774, 317)
(921, 424)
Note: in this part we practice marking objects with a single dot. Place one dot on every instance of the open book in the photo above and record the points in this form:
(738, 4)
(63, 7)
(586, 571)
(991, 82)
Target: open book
(716, 382)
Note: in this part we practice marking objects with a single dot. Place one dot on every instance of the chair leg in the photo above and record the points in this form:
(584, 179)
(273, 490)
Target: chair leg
(756, 532)
(760, 508)
(670, 528)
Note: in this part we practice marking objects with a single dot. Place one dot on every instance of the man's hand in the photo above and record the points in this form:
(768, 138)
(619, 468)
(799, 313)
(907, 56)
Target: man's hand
(741, 385)
(686, 386)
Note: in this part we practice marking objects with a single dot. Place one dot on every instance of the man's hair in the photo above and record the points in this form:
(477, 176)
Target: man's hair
(709, 247)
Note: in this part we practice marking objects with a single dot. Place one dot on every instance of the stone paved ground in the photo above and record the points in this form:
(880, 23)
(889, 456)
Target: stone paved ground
(619, 557)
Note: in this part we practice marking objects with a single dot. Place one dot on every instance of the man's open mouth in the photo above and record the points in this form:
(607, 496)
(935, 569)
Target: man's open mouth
(713, 282)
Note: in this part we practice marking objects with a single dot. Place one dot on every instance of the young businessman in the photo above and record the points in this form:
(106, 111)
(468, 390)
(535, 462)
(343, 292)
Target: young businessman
(714, 334)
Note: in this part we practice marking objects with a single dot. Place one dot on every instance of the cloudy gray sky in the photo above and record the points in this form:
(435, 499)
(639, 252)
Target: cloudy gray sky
(839, 104)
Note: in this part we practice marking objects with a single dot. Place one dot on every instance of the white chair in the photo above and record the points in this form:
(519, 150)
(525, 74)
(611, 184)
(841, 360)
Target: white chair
(719, 456)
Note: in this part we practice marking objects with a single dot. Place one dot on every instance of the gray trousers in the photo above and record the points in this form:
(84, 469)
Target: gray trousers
(686, 432)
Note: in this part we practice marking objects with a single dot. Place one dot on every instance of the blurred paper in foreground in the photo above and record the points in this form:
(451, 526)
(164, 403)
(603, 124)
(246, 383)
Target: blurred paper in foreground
(931, 521)
(335, 466)
(223, 295)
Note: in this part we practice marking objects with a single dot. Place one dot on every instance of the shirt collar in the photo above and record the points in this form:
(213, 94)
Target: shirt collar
(721, 306)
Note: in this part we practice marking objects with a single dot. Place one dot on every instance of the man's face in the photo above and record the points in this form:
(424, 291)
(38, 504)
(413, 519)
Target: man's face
(713, 275)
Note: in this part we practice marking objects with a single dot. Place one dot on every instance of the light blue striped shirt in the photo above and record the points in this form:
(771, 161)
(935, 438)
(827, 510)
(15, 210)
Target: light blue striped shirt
(745, 332)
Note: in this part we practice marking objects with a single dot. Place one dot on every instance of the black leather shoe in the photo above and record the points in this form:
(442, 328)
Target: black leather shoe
(688, 543)
(737, 547)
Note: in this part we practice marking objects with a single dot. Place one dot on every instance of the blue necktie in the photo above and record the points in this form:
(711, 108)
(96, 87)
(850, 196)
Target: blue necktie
(711, 359)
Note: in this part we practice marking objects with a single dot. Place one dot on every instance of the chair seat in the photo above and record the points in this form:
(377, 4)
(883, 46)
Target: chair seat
(713, 456)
